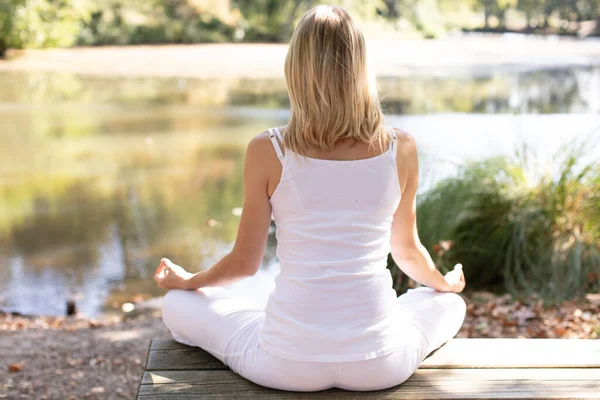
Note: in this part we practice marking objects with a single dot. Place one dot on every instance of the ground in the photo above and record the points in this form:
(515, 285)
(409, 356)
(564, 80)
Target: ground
(78, 358)
(62, 358)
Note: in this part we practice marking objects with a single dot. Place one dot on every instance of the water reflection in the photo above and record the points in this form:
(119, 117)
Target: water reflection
(551, 91)
(99, 178)
(87, 236)
(554, 90)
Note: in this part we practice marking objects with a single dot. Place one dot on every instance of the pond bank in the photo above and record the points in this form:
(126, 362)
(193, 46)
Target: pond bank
(389, 57)
(77, 358)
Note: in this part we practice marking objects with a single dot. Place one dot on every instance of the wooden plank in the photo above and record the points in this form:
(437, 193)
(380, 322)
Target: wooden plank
(457, 353)
(516, 353)
(167, 354)
(166, 344)
(146, 363)
(559, 383)
(182, 359)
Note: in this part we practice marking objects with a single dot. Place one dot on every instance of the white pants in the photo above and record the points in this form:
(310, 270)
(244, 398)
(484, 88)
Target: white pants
(227, 325)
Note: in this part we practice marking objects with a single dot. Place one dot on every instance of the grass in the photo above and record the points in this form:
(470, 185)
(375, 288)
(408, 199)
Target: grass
(517, 225)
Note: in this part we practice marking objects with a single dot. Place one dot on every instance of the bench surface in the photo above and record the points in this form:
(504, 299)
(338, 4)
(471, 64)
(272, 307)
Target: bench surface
(461, 369)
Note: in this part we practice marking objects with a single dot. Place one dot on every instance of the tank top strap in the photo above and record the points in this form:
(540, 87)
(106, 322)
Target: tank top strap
(393, 143)
(273, 135)
(279, 135)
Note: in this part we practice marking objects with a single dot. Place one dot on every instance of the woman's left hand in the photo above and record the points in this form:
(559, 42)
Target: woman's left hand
(169, 275)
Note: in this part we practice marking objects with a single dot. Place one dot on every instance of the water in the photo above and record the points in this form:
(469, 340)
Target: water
(99, 178)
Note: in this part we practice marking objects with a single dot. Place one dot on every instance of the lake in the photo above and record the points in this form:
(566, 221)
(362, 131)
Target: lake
(101, 177)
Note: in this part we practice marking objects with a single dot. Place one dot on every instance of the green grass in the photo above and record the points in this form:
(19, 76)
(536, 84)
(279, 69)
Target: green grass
(517, 225)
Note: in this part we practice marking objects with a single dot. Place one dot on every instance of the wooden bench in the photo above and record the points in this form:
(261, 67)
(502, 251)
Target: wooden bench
(461, 369)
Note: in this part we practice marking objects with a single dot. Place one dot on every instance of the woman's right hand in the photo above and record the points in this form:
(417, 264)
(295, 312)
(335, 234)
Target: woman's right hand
(455, 279)
(169, 275)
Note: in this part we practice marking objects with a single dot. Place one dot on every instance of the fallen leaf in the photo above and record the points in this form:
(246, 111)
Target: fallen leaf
(523, 314)
(15, 367)
(508, 322)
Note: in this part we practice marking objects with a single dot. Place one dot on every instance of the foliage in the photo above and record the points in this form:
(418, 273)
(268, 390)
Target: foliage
(540, 237)
(34, 24)
(153, 22)
(6, 25)
(62, 23)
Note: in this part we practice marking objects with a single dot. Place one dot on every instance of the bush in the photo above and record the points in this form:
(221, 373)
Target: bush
(527, 238)
(36, 24)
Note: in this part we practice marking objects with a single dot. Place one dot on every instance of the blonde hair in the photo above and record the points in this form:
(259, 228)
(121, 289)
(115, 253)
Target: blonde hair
(332, 95)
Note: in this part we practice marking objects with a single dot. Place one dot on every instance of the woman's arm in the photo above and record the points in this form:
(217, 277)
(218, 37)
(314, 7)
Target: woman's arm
(407, 251)
(246, 256)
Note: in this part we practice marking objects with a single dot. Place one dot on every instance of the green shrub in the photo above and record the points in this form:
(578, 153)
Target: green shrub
(43, 23)
(527, 236)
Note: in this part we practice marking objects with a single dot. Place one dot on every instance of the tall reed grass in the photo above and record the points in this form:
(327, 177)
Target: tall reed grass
(518, 225)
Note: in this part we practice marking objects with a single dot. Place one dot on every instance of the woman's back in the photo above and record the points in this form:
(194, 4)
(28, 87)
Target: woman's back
(333, 319)
(333, 298)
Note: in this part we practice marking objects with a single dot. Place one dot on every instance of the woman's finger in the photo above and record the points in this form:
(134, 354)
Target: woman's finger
(161, 272)
(158, 273)
(160, 267)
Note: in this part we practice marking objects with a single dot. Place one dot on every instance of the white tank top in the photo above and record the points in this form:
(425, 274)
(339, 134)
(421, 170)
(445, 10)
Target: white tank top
(333, 299)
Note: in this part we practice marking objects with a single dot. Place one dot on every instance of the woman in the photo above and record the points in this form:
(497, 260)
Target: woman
(341, 187)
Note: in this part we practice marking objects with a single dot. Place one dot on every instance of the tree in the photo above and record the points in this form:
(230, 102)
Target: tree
(40, 23)
(532, 8)
(7, 10)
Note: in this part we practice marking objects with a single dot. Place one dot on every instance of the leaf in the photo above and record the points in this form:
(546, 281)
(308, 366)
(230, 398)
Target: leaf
(15, 367)
(93, 324)
(523, 314)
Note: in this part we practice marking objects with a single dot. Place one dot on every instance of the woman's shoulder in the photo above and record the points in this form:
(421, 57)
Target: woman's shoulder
(260, 150)
(260, 144)
(406, 143)
(264, 138)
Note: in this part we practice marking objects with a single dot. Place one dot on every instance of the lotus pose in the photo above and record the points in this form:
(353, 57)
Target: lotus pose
(341, 187)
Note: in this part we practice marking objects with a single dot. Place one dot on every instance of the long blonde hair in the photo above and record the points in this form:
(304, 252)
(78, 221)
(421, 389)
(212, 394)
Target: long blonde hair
(332, 95)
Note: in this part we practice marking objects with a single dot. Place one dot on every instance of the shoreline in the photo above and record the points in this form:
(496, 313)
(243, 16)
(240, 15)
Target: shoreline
(389, 58)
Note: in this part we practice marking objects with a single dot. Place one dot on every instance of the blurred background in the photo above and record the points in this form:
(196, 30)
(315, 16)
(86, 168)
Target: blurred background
(114, 153)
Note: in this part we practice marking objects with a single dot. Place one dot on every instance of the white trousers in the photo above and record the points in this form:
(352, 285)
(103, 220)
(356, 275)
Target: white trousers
(227, 326)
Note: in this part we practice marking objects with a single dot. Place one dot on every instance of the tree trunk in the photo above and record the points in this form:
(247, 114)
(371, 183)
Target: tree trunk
(3, 48)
